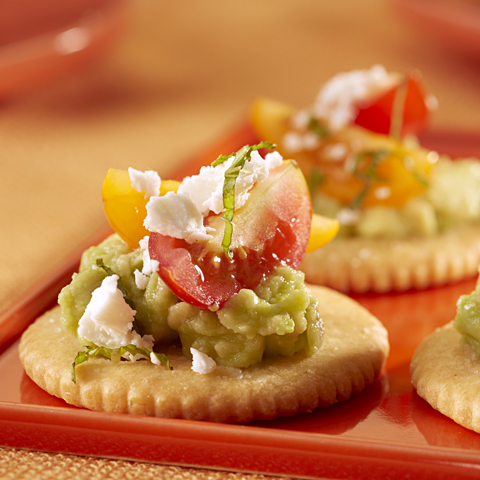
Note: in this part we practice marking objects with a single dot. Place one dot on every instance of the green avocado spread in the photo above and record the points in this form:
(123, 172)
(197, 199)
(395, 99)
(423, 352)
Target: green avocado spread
(452, 197)
(467, 320)
(279, 317)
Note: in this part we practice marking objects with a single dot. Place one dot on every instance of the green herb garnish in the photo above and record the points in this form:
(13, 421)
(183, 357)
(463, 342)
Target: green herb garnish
(369, 175)
(316, 127)
(115, 355)
(316, 178)
(231, 175)
(421, 178)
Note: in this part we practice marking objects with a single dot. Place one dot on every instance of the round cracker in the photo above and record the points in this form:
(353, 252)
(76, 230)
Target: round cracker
(446, 373)
(352, 355)
(358, 264)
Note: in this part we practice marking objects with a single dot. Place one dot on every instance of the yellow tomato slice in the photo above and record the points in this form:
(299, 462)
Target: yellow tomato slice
(125, 208)
(322, 231)
(270, 119)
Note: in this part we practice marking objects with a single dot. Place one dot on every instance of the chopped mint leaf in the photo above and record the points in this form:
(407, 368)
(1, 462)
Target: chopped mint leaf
(241, 157)
(115, 354)
(316, 178)
(316, 127)
(369, 175)
(221, 158)
(421, 178)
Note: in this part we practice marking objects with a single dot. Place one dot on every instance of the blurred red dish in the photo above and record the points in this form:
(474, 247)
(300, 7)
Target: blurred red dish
(455, 24)
(41, 40)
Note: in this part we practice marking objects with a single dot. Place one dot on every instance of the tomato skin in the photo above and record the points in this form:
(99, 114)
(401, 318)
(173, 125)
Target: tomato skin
(376, 116)
(182, 274)
(272, 228)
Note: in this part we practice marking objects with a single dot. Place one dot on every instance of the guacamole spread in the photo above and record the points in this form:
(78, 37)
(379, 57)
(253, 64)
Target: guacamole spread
(467, 320)
(278, 317)
(452, 197)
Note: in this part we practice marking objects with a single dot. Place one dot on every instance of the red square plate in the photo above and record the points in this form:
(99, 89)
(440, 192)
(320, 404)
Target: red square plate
(385, 432)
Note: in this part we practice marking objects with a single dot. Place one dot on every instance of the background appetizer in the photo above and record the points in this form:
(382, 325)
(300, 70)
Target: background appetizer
(409, 218)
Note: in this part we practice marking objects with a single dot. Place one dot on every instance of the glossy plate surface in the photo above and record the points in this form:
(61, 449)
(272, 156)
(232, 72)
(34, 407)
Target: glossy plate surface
(385, 432)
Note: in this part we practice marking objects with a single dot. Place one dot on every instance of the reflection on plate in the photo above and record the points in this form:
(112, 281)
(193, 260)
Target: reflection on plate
(453, 23)
(41, 40)
(439, 430)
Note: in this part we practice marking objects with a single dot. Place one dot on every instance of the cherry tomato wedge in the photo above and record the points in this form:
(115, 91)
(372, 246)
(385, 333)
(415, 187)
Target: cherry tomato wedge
(272, 228)
(377, 114)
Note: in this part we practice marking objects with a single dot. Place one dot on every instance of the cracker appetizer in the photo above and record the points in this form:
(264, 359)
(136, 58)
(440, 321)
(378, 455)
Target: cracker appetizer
(445, 367)
(195, 307)
(409, 218)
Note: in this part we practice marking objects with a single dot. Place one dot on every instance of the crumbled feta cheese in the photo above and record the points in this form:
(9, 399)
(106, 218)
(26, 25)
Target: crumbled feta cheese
(301, 120)
(310, 141)
(154, 359)
(133, 358)
(148, 182)
(206, 188)
(273, 160)
(296, 142)
(347, 216)
(107, 320)
(180, 215)
(382, 193)
(338, 98)
(177, 216)
(141, 280)
(149, 266)
(336, 151)
(293, 142)
(201, 363)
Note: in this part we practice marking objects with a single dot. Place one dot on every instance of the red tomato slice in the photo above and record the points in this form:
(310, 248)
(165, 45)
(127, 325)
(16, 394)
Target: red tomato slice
(272, 228)
(377, 115)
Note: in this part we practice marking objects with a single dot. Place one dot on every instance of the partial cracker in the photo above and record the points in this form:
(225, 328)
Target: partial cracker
(357, 264)
(446, 373)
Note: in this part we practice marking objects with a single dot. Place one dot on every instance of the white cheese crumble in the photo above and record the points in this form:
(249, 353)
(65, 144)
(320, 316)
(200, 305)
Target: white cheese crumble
(154, 359)
(107, 320)
(347, 216)
(336, 151)
(149, 266)
(338, 99)
(382, 193)
(293, 142)
(206, 188)
(141, 280)
(180, 215)
(201, 363)
(147, 182)
(177, 216)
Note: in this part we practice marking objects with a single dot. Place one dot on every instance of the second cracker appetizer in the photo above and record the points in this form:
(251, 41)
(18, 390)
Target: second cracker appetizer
(409, 217)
